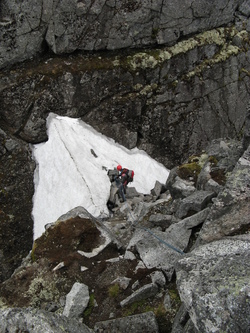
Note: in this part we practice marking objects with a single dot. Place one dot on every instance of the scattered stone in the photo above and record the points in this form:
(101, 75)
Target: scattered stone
(60, 265)
(144, 292)
(182, 188)
(195, 202)
(76, 300)
(123, 282)
(161, 220)
(167, 301)
(131, 192)
(213, 186)
(158, 278)
(160, 249)
(156, 191)
(140, 323)
(129, 255)
(196, 219)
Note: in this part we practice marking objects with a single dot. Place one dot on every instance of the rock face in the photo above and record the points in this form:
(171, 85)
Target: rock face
(30, 28)
(214, 282)
(121, 274)
(16, 191)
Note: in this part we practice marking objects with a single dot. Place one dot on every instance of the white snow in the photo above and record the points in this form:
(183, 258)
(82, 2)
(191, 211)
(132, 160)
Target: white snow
(68, 174)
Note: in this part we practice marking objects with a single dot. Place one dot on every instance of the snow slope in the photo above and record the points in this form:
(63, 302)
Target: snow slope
(72, 170)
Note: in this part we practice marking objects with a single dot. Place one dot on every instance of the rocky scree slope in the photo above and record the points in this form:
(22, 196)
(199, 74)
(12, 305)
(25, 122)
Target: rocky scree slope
(165, 80)
(168, 262)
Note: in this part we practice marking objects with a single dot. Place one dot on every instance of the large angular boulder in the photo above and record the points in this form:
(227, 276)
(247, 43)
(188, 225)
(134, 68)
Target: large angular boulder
(33, 320)
(195, 202)
(214, 284)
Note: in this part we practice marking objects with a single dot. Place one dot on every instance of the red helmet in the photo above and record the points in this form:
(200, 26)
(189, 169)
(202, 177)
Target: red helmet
(132, 173)
(119, 167)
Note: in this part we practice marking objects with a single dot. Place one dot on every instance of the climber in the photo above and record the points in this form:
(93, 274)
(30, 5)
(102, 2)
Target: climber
(119, 177)
(125, 177)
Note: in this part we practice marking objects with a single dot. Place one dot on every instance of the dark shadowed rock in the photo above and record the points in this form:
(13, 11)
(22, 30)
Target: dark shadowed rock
(16, 192)
(246, 137)
(161, 220)
(182, 322)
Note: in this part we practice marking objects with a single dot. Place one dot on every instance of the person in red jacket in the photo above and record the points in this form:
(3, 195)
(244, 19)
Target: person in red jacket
(124, 177)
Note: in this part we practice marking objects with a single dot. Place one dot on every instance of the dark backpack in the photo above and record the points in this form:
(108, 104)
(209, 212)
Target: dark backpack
(129, 174)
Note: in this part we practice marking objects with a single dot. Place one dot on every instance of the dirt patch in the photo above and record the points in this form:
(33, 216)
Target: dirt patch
(37, 284)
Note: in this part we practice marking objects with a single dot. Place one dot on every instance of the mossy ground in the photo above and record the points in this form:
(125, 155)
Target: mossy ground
(37, 284)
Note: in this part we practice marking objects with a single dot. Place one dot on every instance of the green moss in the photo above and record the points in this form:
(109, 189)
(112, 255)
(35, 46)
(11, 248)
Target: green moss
(114, 290)
(172, 85)
(213, 160)
(140, 306)
(174, 295)
(185, 171)
(154, 33)
(219, 176)
(2, 304)
(33, 256)
(90, 306)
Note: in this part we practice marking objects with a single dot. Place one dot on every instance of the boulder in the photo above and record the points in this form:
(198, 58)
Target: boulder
(140, 323)
(158, 278)
(213, 282)
(196, 219)
(149, 290)
(161, 250)
(246, 136)
(34, 320)
(213, 186)
(123, 282)
(194, 202)
(161, 220)
(76, 300)
(182, 188)
(182, 322)
(156, 191)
